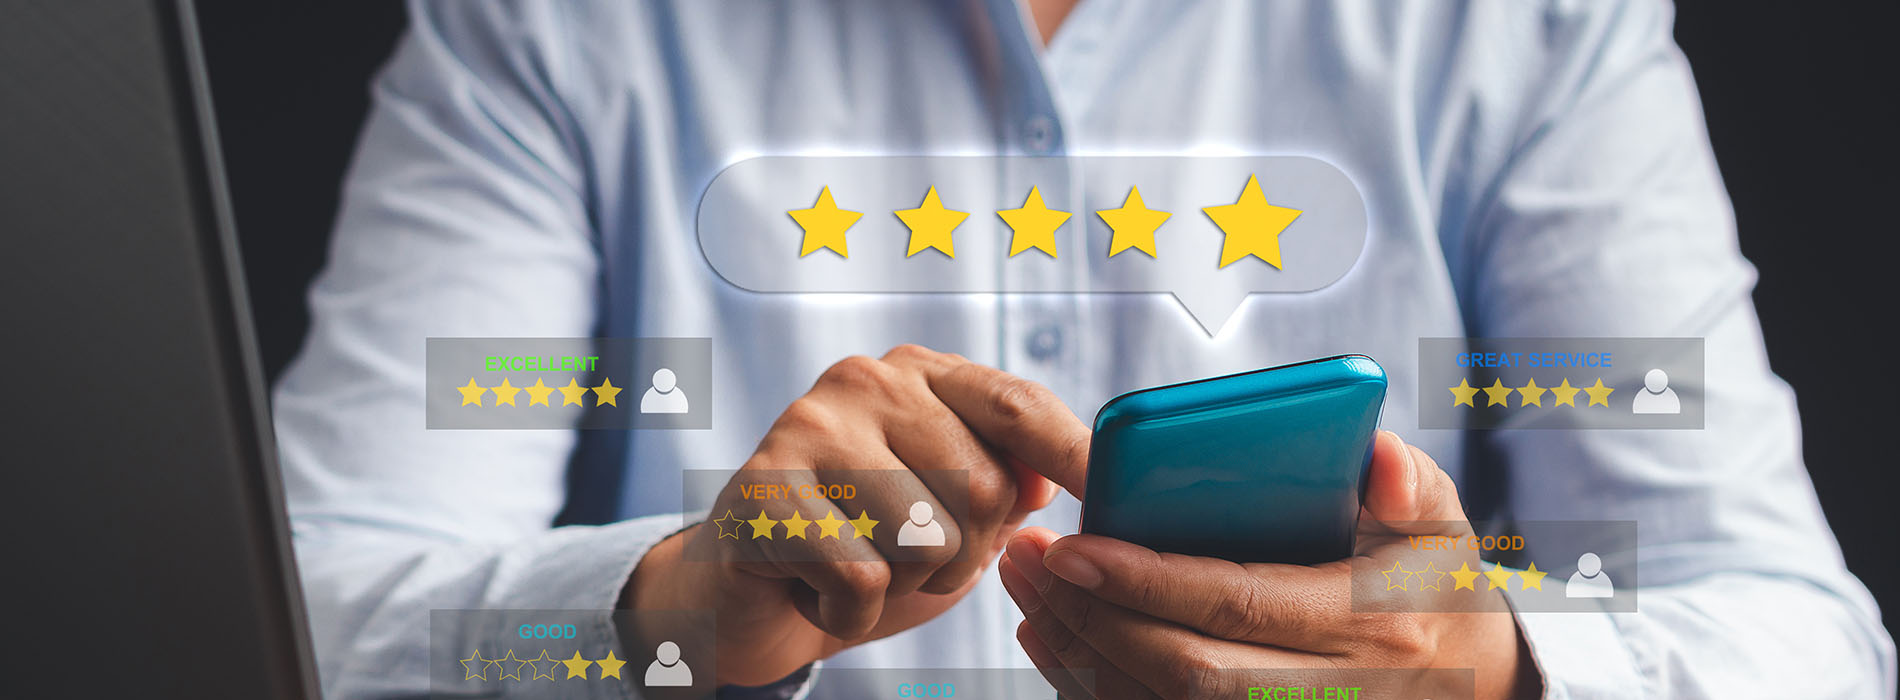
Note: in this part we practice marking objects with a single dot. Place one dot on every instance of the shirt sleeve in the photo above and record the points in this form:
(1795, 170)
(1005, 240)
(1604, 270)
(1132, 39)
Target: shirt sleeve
(464, 216)
(1610, 219)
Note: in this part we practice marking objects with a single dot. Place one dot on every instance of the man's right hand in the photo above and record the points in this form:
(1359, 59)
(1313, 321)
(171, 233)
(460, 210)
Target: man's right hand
(912, 410)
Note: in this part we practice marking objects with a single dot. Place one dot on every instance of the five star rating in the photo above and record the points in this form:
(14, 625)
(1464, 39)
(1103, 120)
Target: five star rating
(797, 525)
(1430, 578)
(539, 393)
(1251, 225)
(542, 667)
(1530, 394)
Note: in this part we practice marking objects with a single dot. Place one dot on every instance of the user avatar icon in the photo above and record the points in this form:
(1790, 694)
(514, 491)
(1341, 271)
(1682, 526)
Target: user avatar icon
(667, 670)
(664, 396)
(1656, 396)
(1589, 581)
(922, 529)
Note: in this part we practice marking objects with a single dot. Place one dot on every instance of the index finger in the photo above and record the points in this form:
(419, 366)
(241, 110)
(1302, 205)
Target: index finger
(1020, 417)
(1296, 607)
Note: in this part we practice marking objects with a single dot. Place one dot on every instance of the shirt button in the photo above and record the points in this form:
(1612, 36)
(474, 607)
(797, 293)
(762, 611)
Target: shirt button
(1039, 134)
(1045, 343)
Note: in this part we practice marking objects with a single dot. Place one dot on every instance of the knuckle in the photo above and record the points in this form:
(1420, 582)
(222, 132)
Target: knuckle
(1241, 614)
(809, 415)
(1075, 450)
(854, 371)
(1014, 398)
(910, 351)
(992, 495)
(1195, 671)
(864, 580)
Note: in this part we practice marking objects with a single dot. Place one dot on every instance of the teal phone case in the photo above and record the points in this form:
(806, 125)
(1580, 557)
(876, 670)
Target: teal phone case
(1262, 466)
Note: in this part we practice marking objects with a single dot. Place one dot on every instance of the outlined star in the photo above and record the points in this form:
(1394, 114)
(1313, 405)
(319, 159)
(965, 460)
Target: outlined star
(1433, 578)
(824, 225)
(1252, 225)
(1532, 577)
(572, 393)
(796, 525)
(1402, 573)
(1497, 394)
(468, 670)
(1461, 395)
(538, 394)
(605, 393)
(1034, 225)
(930, 225)
(1420, 575)
(762, 526)
(1464, 577)
(517, 664)
(505, 394)
(1499, 576)
(577, 666)
(1599, 394)
(472, 394)
(861, 526)
(535, 663)
(728, 526)
(1564, 394)
(610, 666)
(828, 525)
(1133, 225)
(1533, 395)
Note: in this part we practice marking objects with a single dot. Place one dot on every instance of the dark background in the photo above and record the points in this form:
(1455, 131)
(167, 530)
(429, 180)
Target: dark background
(1801, 107)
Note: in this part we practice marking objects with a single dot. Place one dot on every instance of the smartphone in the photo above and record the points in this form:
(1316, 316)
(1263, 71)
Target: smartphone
(1262, 466)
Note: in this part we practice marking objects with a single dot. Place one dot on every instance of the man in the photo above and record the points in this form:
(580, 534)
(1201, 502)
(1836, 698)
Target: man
(1530, 169)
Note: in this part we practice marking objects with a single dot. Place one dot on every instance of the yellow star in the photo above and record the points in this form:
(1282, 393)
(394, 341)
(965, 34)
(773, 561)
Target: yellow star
(1434, 576)
(472, 394)
(510, 659)
(828, 526)
(1498, 393)
(1565, 394)
(727, 521)
(1533, 394)
(930, 225)
(795, 526)
(1599, 394)
(861, 526)
(610, 666)
(535, 663)
(604, 394)
(1532, 577)
(505, 394)
(577, 666)
(1034, 225)
(1461, 394)
(538, 394)
(762, 526)
(572, 393)
(1464, 577)
(1134, 225)
(1252, 225)
(824, 225)
(1500, 577)
(468, 671)
(1403, 575)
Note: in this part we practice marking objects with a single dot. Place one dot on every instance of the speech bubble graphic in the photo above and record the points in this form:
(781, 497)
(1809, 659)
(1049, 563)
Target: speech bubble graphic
(750, 238)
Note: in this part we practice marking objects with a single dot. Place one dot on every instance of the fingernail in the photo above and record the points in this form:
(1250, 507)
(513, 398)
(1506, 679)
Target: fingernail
(1026, 598)
(1028, 560)
(1074, 568)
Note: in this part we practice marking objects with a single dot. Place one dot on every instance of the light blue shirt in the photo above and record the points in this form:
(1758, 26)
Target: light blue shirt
(1530, 169)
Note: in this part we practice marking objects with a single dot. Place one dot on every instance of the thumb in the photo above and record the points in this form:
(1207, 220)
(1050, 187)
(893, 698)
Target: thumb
(1404, 486)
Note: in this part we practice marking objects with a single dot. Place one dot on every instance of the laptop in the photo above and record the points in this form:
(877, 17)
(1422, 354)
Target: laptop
(147, 551)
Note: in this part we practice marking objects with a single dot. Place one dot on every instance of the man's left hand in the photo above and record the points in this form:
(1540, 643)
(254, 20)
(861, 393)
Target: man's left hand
(1135, 623)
